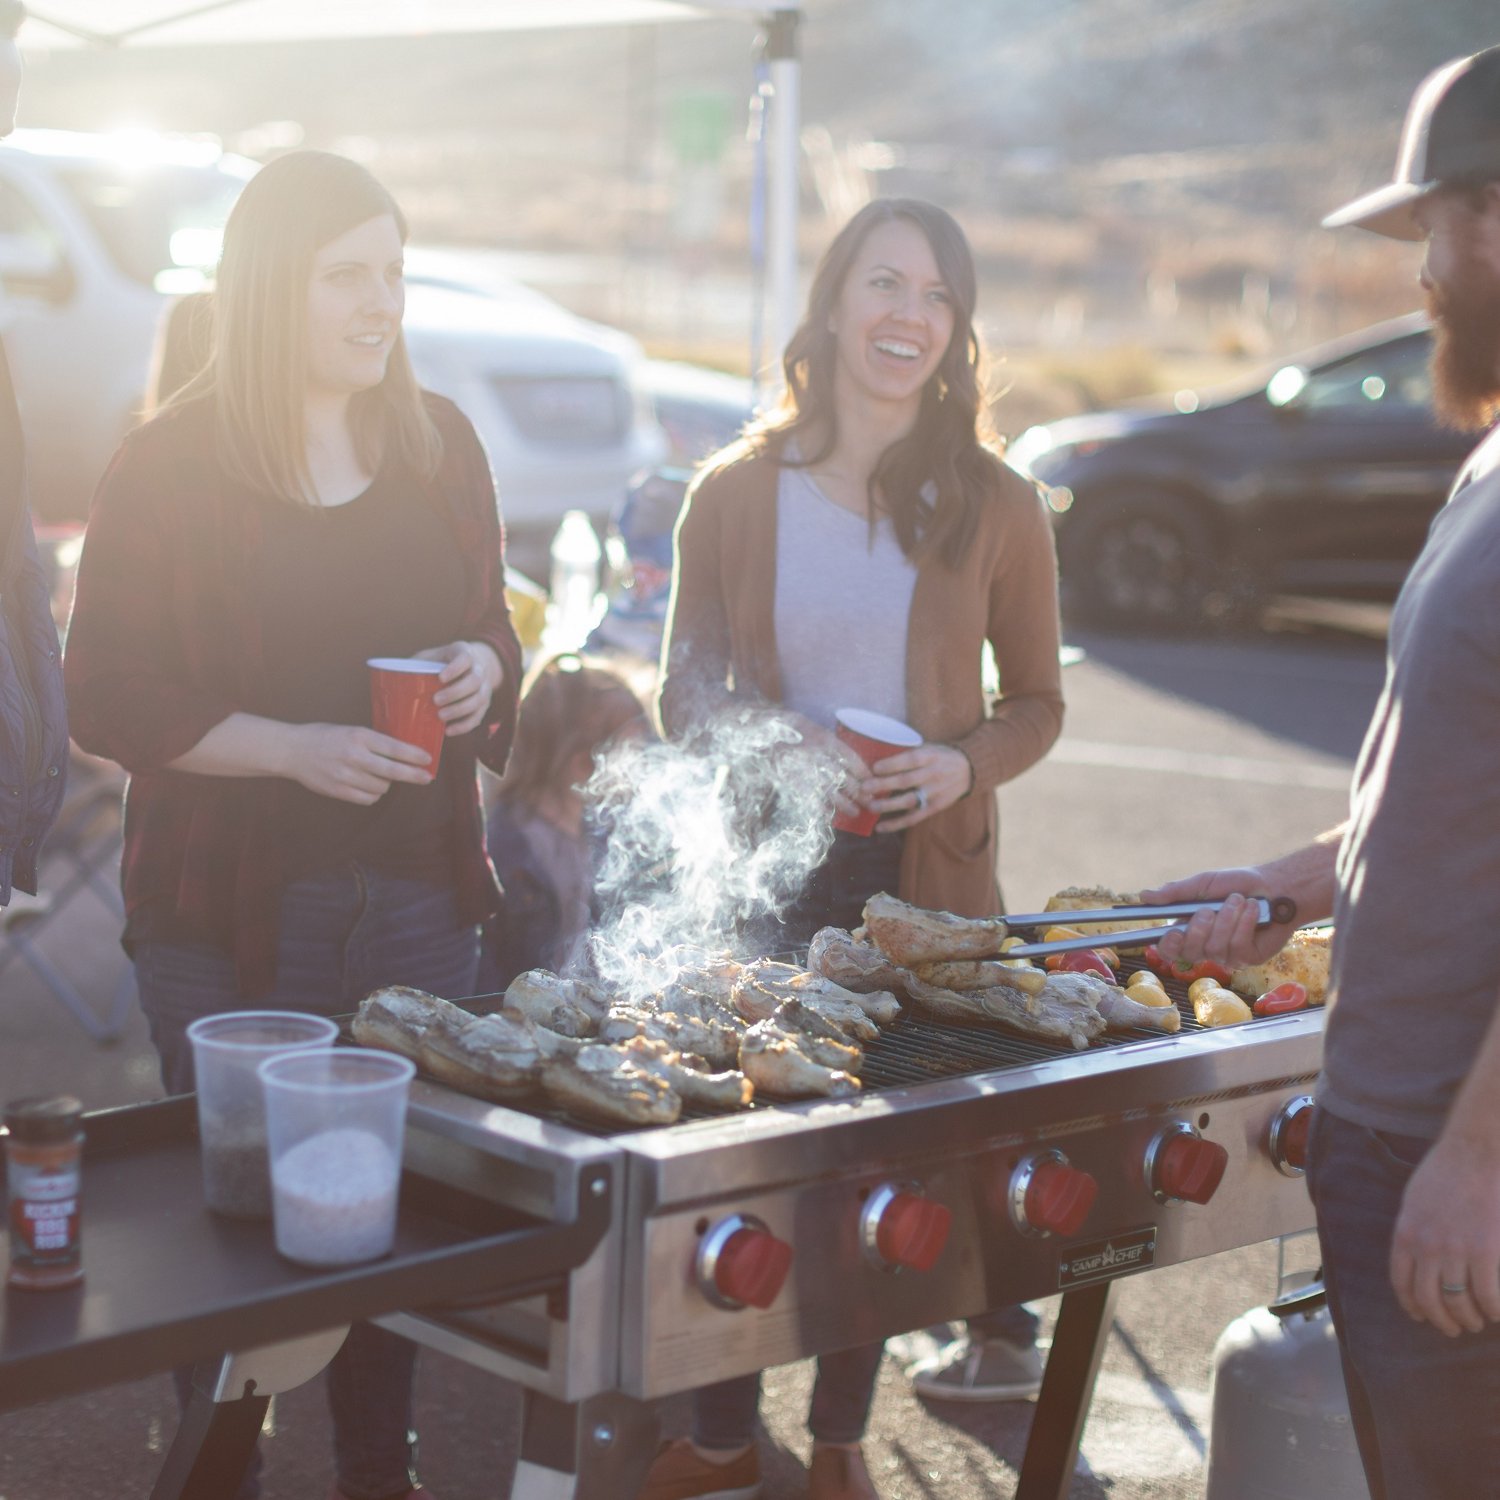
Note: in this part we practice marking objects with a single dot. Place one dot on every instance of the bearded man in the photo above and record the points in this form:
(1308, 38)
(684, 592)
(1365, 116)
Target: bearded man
(1404, 1160)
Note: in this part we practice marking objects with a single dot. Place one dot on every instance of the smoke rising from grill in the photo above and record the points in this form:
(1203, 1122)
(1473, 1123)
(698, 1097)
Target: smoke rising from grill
(709, 840)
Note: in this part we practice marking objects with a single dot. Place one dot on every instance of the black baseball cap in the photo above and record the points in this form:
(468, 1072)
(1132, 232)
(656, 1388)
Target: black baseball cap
(1451, 136)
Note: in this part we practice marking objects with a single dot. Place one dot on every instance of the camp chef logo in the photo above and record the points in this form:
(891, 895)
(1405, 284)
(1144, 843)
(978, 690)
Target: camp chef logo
(1103, 1259)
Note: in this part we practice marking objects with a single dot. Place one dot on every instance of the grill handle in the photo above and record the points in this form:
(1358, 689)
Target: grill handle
(1279, 909)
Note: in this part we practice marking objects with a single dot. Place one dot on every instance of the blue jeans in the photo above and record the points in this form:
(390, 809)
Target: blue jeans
(342, 935)
(1426, 1408)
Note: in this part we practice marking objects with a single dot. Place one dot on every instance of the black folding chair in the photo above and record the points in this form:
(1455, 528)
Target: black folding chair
(81, 854)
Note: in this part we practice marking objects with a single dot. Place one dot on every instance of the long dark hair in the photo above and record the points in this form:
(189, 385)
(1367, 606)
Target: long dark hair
(932, 482)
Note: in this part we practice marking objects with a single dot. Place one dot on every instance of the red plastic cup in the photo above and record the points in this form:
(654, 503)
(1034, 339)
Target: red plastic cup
(872, 737)
(401, 694)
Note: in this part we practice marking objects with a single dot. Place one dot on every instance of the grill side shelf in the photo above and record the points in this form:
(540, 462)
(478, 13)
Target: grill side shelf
(167, 1282)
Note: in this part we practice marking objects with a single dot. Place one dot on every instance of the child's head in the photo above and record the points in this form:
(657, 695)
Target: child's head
(571, 706)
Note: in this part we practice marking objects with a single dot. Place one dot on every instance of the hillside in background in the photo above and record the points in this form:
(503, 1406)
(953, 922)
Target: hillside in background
(1131, 171)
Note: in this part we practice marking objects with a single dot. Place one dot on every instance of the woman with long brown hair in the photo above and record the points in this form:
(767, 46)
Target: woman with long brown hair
(299, 507)
(860, 548)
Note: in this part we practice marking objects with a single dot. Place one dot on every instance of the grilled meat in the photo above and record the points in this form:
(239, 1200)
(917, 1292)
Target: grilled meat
(717, 1043)
(910, 935)
(601, 1083)
(689, 1075)
(757, 999)
(693, 1004)
(1119, 1011)
(857, 965)
(553, 1002)
(1094, 898)
(496, 1057)
(400, 1019)
(764, 984)
(777, 1062)
(713, 976)
(818, 1034)
(1060, 1017)
(979, 974)
(1305, 958)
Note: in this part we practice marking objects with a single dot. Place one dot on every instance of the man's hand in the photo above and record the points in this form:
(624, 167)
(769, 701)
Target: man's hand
(1228, 936)
(470, 677)
(1448, 1235)
(350, 763)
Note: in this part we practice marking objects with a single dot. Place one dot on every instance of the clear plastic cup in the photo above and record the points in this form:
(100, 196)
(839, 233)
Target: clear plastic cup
(227, 1049)
(335, 1119)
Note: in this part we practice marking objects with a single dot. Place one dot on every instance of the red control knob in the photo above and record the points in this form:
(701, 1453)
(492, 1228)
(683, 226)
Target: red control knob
(1294, 1140)
(1189, 1168)
(912, 1231)
(1057, 1199)
(1288, 1139)
(752, 1265)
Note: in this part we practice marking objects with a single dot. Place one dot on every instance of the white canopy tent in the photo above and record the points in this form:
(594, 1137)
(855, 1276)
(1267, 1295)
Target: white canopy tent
(176, 23)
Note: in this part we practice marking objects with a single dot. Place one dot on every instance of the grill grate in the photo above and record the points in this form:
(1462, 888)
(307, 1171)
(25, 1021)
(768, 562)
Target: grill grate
(913, 1051)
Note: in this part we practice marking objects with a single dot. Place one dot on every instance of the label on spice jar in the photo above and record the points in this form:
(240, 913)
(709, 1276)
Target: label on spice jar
(43, 1214)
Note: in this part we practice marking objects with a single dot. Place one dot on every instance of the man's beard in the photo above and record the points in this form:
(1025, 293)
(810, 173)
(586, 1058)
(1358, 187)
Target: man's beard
(1465, 313)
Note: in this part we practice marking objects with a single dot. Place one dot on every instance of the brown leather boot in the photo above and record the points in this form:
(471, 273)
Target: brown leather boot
(839, 1474)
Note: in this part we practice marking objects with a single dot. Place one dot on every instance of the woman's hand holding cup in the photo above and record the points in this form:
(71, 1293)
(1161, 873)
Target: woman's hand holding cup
(351, 763)
(911, 786)
(825, 743)
(469, 679)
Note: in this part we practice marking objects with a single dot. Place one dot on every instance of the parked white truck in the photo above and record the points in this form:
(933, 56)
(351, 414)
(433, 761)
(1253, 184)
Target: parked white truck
(98, 232)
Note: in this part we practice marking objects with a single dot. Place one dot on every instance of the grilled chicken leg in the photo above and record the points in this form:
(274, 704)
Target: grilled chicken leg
(910, 935)
(777, 1063)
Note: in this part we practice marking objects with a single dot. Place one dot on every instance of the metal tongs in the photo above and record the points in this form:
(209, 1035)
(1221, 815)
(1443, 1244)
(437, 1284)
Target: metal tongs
(1268, 910)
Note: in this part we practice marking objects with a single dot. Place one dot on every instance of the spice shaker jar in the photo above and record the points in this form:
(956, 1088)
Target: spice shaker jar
(43, 1151)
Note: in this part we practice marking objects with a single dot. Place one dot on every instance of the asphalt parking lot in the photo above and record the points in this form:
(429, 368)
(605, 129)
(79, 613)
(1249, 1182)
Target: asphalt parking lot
(1176, 754)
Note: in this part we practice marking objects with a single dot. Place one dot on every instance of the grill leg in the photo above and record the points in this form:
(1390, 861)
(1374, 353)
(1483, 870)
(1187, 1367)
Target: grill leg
(213, 1444)
(599, 1449)
(1067, 1389)
(217, 1433)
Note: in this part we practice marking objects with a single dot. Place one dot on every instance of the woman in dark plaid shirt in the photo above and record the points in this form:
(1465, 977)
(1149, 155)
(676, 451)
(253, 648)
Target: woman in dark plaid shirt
(299, 507)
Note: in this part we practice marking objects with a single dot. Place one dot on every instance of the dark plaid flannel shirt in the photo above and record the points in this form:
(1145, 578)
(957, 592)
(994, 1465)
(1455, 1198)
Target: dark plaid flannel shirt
(164, 644)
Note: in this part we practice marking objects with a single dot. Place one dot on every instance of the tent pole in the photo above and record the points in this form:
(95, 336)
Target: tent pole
(785, 66)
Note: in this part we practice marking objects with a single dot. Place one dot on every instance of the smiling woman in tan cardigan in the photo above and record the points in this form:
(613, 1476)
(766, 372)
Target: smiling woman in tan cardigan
(858, 549)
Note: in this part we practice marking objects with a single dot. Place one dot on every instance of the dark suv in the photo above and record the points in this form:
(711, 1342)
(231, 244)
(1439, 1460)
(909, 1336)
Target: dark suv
(1323, 480)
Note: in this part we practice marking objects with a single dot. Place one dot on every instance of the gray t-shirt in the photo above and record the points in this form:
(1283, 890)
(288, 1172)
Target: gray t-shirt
(1416, 965)
(842, 605)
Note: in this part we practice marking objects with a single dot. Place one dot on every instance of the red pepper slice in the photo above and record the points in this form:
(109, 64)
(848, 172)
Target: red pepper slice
(1283, 1000)
(1205, 968)
(1084, 961)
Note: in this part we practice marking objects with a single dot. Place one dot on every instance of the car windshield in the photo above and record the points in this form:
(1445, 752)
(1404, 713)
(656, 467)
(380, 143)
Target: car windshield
(163, 223)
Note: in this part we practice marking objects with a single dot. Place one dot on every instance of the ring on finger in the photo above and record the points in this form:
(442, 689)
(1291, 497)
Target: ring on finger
(920, 793)
(1453, 1288)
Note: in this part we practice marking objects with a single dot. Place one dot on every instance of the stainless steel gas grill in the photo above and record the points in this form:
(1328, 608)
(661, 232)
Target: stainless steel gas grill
(603, 1272)
(977, 1169)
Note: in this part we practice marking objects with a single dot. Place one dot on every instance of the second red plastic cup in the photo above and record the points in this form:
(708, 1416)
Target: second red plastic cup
(872, 737)
(401, 694)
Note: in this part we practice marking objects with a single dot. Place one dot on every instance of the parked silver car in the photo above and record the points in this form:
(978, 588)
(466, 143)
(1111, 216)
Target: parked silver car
(97, 232)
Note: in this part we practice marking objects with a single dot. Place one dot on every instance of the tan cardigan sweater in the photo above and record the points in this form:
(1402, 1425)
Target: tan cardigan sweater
(720, 648)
